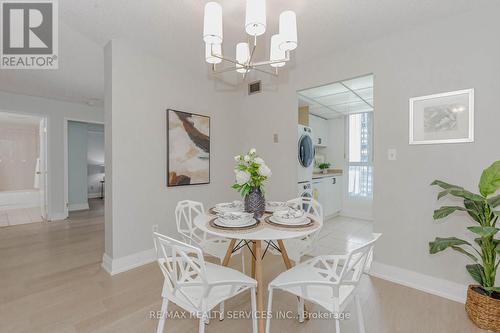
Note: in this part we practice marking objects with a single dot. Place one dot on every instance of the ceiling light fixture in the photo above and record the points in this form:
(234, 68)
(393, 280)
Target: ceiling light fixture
(255, 25)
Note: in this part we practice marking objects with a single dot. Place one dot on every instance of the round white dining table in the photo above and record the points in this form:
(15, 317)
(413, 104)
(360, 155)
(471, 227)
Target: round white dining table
(263, 232)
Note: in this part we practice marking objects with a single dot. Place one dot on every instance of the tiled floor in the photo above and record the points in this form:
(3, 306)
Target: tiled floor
(20, 216)
(341, 234)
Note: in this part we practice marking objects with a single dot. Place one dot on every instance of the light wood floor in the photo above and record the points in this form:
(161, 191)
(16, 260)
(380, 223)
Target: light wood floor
(51, 281)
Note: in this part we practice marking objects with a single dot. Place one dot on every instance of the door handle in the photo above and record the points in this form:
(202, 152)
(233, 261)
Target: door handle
(334, 181)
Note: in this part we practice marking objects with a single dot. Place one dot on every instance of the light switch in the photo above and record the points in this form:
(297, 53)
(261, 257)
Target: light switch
(275, 138)
(392, 154)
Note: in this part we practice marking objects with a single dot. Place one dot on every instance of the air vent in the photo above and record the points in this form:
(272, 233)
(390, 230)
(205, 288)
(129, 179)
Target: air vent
(254, 87)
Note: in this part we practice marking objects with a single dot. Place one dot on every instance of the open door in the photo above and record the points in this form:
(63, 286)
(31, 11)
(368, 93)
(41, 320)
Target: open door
(41, 171)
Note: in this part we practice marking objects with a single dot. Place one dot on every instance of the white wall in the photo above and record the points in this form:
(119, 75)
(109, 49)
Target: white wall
(139, 89)
(442, 56)
(55, 111)
(95, 161)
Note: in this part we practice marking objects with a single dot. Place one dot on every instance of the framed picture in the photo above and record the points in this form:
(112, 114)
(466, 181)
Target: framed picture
(188, 148)
(442, 118)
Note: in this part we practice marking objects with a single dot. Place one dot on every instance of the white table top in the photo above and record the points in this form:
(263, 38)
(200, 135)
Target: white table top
(266, 233)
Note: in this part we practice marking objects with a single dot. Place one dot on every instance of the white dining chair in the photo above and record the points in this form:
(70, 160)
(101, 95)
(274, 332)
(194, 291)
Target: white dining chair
(296, 248)
(195, 285)
(329, 281)
(185, 212)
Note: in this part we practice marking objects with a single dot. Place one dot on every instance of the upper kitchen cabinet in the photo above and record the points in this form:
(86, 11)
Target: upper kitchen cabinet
(319, 128)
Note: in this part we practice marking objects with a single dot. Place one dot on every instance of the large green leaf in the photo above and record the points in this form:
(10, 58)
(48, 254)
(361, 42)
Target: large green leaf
(484, 231)
(490, 179)
(461, 193)
(497, 289)
(475, 210)
(477, 272)
(494, 201)
(445, 211)
(440, 244)
(467, 253)
(444, 185)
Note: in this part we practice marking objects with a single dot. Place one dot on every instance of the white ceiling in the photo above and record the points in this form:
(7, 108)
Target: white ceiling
(339, 98)
(172, 29)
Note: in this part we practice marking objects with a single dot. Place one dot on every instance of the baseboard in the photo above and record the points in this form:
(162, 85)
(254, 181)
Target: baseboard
(78, 206)
(119, 265)
(94, 195)
(429, 284)
(57, 217)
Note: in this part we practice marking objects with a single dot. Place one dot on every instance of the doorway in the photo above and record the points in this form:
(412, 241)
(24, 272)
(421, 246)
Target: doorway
(340, 116)
(23, 169)
(84, 166)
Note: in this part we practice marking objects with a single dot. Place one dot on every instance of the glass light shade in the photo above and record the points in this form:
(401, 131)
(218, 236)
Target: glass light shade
(242, 56)
(212, 23)
(255, 19)
(276, 53)
(288, 31)
(213, 49)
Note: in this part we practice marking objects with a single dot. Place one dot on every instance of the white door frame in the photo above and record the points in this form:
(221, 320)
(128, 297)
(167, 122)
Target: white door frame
(41, 116)
(65, 141)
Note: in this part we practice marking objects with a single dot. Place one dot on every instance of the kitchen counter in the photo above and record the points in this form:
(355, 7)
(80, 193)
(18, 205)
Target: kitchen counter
(331, 173)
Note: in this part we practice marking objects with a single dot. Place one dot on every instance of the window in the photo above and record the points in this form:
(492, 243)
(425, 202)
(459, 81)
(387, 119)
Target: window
(360, 155)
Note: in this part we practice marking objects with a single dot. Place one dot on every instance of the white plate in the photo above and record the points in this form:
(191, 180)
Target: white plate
(303, 221)
(220, 223)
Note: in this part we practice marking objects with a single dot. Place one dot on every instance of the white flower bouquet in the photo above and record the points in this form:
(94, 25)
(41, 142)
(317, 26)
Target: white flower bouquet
(251, 172)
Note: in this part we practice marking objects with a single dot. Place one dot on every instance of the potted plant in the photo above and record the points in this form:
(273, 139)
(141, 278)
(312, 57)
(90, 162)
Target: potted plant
(251, 172)
(483, 300)
(324, 167)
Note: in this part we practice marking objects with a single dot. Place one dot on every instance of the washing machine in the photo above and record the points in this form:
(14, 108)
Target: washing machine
(305, 190)
(305, 154)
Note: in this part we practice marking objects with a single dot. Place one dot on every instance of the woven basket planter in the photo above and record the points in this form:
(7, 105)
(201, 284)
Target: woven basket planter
(483, 310)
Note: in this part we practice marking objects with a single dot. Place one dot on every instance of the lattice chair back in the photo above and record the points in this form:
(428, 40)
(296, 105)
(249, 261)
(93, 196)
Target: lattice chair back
(314, 210)
(311, 207)
(369, 259)
(183, 267)
(185, 212)
(341, 270)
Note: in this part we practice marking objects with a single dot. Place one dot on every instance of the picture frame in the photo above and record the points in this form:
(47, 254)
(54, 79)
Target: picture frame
(442, 118)
(188, 148)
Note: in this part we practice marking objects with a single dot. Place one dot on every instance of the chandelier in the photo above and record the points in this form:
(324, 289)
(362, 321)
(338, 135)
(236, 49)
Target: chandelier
(255, 25)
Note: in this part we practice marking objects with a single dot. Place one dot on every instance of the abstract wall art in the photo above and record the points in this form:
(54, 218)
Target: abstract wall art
(442, 118)
(188, 148)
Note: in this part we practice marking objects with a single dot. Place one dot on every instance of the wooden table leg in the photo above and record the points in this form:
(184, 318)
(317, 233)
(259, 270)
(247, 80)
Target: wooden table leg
(229, 252)
(289, 265)
(284, 254)
(253, 259)
(260, 285)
